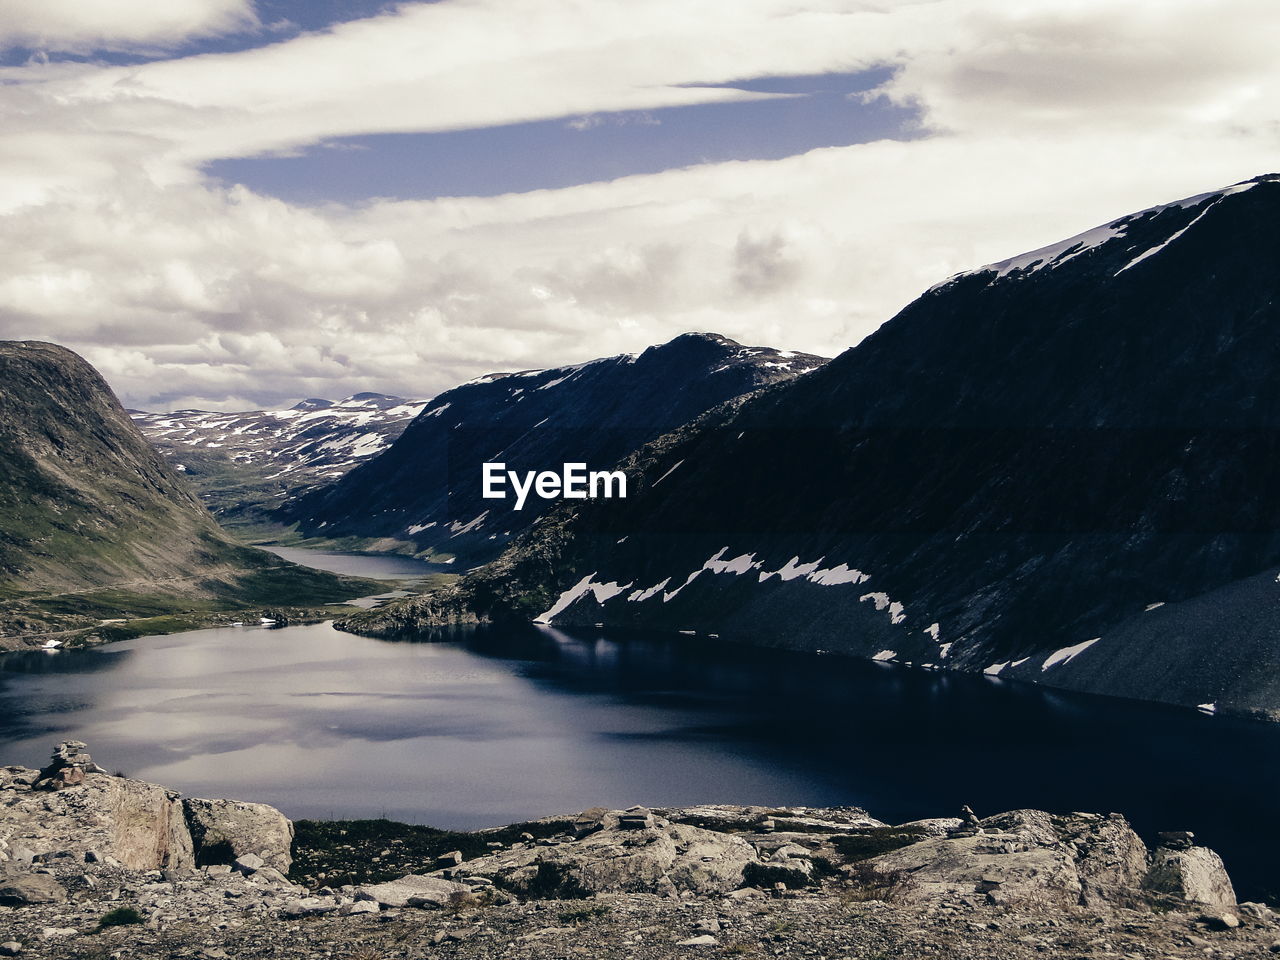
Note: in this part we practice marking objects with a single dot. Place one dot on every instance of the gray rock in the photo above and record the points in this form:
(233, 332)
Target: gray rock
(359, 907)
(1220, 920)
(10, 948)
(26, 889)
(1026, 856)
(311, 906)
(411, 891)
(1258, 911)
(271, 876)
(224, 830)
(635, 818)
(249, 863)
(1195, 875)
(664, 860)
(705, 940)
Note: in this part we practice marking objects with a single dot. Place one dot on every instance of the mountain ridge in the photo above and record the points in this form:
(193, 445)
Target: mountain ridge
(1019, 463)
(424, 493)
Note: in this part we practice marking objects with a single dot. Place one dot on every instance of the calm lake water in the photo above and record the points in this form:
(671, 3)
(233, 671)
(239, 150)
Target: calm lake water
(497, 726)
(379, 567)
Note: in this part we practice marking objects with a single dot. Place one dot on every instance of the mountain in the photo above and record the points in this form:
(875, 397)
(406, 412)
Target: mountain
(1060, 468)
(94, 523)
(240, 463)
(425, 492)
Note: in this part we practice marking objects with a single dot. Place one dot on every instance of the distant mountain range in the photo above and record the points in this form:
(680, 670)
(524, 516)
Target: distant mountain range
(1060, 468)
(243, 464)
(94, 524)
(424, 493)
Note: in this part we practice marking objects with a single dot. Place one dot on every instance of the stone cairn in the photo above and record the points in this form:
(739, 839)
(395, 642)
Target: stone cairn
(71, 761)
(969, 824)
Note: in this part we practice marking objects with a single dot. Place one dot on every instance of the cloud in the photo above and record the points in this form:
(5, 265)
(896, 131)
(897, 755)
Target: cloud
(77, 26)
(1036, 123)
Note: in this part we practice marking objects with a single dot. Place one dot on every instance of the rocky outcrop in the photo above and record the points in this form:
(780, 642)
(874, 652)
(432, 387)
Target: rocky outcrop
(1026, 856)
(73, 812)
(621, 851)
(659, 883)
(70, 812)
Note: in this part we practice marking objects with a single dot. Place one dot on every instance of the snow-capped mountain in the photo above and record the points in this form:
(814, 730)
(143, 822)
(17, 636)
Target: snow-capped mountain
(239, 461)
(426, 489)
(1059, 468)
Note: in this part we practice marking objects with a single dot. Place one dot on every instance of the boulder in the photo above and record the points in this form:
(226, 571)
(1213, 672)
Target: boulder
(665, 857)
(223, 831)
(25, 889)
(1027, 856)
(102, 818)
(957, 866)
(413, 890)
(1194, 874)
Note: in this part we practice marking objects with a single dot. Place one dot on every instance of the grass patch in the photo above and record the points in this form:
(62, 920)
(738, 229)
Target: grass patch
(866, 883)
(120, 917)
(337, 852)
(583, 914)
(865, 844)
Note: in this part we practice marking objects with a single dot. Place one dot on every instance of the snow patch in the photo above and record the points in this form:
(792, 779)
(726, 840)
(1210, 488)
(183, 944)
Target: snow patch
(461, 528)
(793, 568)
(882, 602)
(1067, 654)
(640, 596)
(885, 655)
(837, 575)
(602, 592)
(668, 473)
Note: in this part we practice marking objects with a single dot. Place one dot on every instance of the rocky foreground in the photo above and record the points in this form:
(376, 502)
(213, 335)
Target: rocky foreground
(93, 865)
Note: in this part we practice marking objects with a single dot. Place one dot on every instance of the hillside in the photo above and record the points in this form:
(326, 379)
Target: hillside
(95, 525)
(424, 493)
(1058, 468)
(243, 464)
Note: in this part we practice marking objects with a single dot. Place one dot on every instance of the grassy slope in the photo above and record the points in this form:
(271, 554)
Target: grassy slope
(94, 525)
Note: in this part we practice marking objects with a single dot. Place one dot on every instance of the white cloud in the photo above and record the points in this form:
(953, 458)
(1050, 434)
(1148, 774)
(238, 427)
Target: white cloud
(1039, 122)
(85, 26)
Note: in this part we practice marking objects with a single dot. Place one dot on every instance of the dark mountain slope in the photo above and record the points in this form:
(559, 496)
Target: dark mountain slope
(426, 489)
(93, 520)
(1025, 459)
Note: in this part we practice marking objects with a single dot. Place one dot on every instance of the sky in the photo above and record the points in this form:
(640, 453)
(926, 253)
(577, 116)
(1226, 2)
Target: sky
(230, 205)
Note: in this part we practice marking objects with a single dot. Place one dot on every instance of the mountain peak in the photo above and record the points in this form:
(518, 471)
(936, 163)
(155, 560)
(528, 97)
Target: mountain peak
(313, 403)
(1125, 232)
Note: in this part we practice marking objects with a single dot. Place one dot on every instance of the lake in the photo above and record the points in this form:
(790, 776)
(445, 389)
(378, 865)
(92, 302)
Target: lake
(375, 566)
(502, 725)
